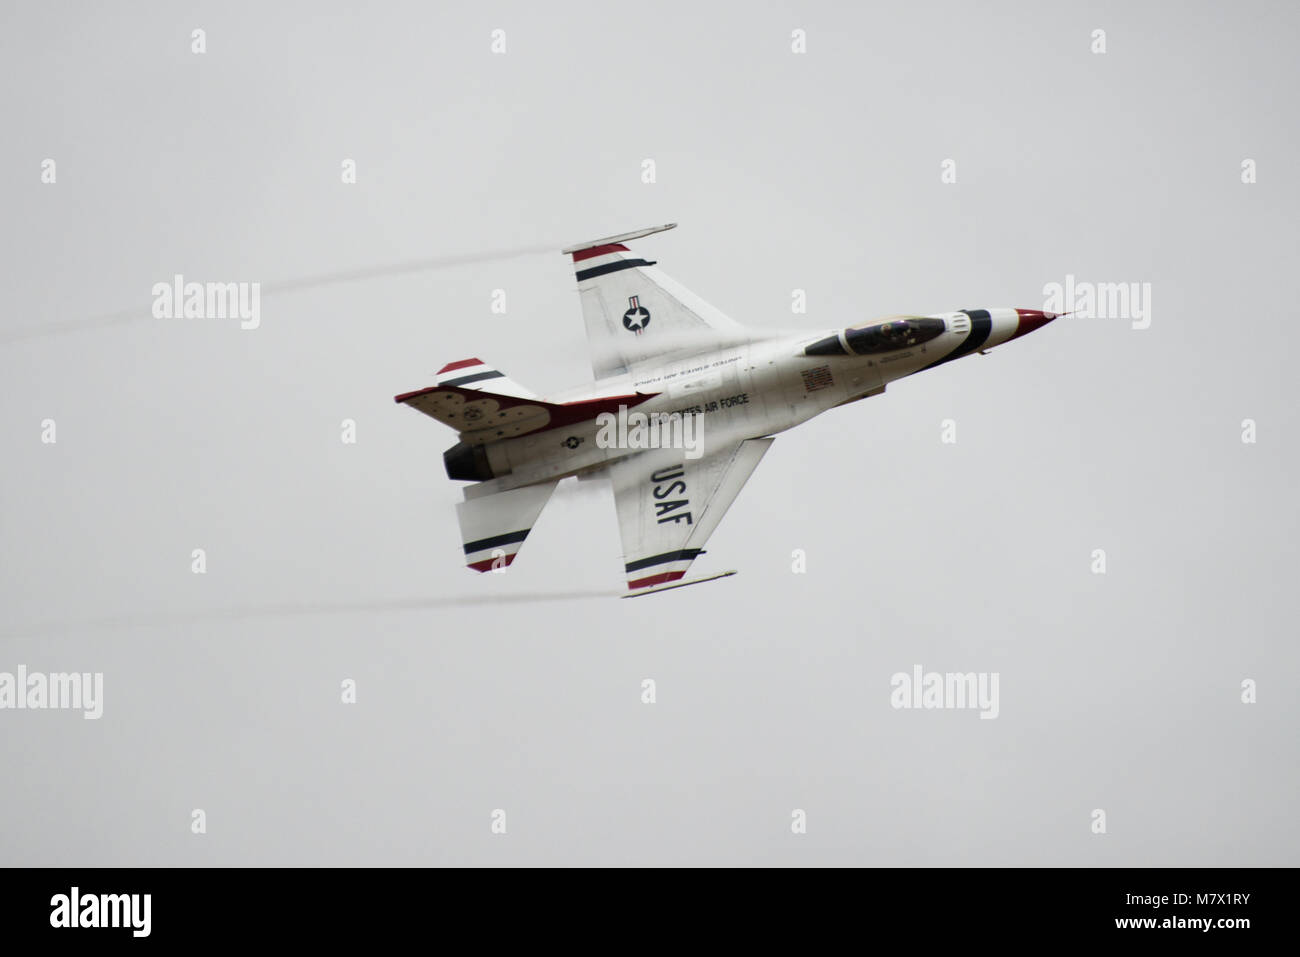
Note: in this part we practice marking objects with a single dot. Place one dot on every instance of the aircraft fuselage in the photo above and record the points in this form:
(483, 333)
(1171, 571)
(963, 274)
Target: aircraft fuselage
(755, 388)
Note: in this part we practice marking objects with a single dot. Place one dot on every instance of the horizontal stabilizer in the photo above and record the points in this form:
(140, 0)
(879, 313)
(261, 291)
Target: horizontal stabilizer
(493, 527)
(481, 416)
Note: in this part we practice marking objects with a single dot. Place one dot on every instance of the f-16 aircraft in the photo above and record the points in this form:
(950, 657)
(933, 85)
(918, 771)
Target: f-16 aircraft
(684, 404)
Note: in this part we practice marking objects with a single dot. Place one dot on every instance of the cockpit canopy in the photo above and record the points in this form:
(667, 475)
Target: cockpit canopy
(877, 337)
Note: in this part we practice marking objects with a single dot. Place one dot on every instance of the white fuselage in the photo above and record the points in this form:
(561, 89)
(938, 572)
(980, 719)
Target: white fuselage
(755, 388)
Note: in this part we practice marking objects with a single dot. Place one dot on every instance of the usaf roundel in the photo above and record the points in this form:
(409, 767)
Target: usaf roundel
(637, 316)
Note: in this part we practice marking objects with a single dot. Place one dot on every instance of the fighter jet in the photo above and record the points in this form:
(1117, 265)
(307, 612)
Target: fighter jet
(684, 404)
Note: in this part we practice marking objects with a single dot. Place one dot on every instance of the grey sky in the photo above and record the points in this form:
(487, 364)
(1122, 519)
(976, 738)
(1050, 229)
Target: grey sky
(521, 691)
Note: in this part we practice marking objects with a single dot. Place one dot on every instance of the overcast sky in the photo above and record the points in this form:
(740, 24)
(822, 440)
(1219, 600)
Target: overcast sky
(819, 171)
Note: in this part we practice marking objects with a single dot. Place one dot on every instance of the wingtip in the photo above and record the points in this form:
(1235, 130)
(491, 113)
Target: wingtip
(620, 238)
(676, 583)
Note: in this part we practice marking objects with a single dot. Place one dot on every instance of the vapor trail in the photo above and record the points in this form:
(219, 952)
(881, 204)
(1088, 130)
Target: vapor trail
(288, 609)
(277, 287)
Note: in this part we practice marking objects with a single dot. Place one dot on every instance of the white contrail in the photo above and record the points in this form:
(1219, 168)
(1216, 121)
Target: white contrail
(287, 609)
(144, 313)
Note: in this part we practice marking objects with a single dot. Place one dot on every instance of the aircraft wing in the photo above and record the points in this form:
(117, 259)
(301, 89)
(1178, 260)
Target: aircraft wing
(633, 311)
(669, 505)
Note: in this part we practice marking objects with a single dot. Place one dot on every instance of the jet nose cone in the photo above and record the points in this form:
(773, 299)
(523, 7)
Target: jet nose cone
(1031, 319)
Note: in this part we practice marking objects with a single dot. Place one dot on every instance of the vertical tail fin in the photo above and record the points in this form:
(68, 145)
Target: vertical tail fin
(476, 374)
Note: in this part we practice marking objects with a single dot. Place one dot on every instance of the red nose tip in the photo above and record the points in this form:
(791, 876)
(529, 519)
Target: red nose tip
(1031, 319)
